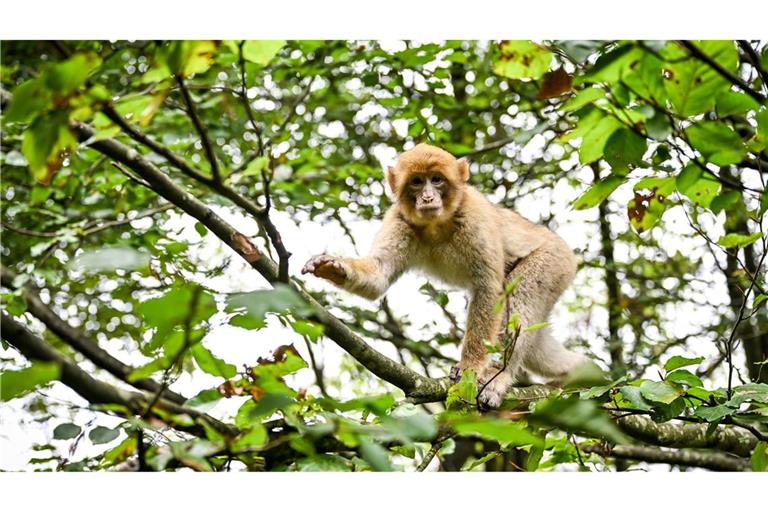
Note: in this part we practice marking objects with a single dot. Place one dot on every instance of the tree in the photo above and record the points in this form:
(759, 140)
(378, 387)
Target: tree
(142, 180)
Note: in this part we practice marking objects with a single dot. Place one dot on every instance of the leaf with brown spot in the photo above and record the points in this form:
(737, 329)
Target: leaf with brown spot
(646, 208)
(555, 83)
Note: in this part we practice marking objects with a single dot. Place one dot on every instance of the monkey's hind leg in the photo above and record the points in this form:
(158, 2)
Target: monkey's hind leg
(542, 277)
(550, 360)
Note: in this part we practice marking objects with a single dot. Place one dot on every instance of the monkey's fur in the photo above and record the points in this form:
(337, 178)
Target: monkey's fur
(447, 228)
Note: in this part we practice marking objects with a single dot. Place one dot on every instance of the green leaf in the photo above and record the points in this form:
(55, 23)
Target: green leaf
(463, 394)
(102, 435)
(109, 259)
(614, 65)
(505, 432)
(65, 77)
(738, 240)
(29, 99)
(375, 455)
(584, 97)
(535, 327)
(325, 462)
(644, 77)
(522, 59)
(598, 192)
(675, 362)
(593, 142)
(201, 229)
(762, 124)
(46, 142)
(731, 103)
(598, 391)
(255, 438)
(205, 400)
(658, 126)
(759, 300)
(254, 306)
(716, 142)
(575, 415)
(211, 364)
(171, 309)
(624, 148)
(662, 392)
(261, 52)
(724, 200)
(759, 459)
(712, 414)
(66, 431)
(311, 330)
(699, 187)
(14, 383)
(665, 412)
(186, 58)
(683, 377)
(694, 85)
(635, 398)
(255, 167)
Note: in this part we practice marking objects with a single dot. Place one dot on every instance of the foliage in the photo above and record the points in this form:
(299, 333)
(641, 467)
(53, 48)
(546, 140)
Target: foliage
(656, 148)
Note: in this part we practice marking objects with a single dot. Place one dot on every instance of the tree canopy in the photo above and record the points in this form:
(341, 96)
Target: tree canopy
(156, 195)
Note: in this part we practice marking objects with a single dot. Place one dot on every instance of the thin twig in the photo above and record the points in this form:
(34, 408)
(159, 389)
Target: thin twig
(754, 59)
(201, 131)
(246, 103)
(429, 456)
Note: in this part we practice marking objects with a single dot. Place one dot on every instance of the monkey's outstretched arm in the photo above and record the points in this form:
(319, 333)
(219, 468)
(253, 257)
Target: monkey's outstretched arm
(372, 275)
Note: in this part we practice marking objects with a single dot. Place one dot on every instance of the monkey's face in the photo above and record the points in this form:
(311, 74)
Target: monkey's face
(429, 183)
(426, 191)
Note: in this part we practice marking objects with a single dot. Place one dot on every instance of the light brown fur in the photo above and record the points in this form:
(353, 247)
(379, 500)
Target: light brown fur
(474, 244)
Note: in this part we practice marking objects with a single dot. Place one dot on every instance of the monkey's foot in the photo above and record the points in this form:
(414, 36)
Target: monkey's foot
(455, 374)
(327, 267)
(490, 397)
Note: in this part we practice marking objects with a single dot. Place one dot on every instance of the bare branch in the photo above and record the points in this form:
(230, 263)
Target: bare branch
(686, 457)
(725, 438)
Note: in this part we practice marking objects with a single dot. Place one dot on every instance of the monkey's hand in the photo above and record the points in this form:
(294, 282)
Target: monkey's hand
(327, 267)
(457, 370)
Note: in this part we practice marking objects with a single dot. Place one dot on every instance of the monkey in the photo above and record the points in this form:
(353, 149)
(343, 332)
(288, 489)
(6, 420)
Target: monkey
(443, 226)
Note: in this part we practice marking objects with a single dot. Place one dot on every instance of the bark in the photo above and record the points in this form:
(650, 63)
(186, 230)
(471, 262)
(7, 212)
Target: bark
(725, 438)
(613, 304)
(686, 457)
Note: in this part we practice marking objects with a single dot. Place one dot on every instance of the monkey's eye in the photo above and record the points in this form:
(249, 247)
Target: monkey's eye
(436, 179)
(417, 181)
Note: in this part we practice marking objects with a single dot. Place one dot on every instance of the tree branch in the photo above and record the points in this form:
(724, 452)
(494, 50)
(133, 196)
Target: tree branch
(406, 379)
(96, 391)
(687, 457)
(735, 80)
(79, 341)
(754, 58)
(729, 439)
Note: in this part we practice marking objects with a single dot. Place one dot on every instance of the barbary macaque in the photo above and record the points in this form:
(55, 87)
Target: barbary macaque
(447, 228)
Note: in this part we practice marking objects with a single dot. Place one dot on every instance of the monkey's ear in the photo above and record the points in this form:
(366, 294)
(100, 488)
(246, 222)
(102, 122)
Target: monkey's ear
(463, 168)
(392, 179)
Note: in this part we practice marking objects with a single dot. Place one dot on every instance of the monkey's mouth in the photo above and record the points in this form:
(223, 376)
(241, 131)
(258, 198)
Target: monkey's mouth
(429, 209)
